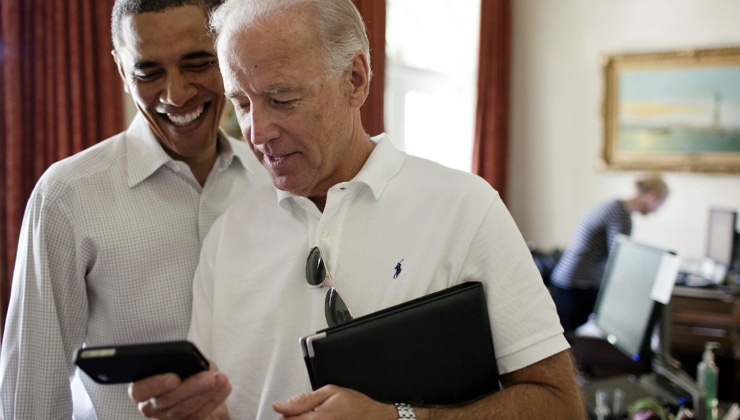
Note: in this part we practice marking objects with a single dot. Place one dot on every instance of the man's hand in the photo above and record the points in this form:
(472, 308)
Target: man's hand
(167, 397)
(334, 402)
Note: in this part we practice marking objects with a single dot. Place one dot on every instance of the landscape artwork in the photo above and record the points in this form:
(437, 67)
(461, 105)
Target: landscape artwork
(673, 111)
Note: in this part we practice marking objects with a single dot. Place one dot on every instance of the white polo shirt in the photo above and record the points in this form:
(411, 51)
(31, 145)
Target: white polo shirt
(252, 303)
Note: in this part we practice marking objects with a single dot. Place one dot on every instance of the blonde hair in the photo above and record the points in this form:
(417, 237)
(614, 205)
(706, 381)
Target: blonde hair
(652, 183)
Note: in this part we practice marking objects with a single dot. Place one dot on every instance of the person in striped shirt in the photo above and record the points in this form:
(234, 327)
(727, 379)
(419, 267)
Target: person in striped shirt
(576, 278)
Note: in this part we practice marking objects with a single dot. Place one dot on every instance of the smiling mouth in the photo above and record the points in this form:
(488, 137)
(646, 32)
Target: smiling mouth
(276, 159)
(182, 120)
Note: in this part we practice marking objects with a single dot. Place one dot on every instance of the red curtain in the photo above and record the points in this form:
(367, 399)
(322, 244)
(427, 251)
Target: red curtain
(491, 145)
(60, 93)
(373, 13)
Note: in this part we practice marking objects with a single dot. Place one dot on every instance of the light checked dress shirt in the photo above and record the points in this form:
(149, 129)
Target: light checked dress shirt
(108, 247)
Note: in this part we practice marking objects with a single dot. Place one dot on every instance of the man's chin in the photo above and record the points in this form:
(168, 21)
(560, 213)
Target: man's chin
(287, 184)
(280, 183)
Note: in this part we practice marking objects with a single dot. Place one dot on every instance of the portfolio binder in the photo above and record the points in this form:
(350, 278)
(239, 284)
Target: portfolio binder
(433, 350)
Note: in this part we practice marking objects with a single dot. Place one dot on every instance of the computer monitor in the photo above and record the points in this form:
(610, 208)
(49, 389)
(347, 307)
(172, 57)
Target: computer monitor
(638, 326)
(722, 236)
(625, 312)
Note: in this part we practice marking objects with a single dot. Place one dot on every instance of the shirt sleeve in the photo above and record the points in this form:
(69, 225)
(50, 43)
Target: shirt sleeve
(619, 222)
(46, 317)
(524, 322)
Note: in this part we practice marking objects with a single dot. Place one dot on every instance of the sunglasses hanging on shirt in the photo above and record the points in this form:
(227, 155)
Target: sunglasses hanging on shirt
(335, 310)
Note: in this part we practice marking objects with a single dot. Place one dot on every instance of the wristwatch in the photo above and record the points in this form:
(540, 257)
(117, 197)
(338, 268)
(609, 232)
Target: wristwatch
(405, 411)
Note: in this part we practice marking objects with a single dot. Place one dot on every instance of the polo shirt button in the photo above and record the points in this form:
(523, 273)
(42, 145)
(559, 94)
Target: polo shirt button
(324, 234)
(177, 168)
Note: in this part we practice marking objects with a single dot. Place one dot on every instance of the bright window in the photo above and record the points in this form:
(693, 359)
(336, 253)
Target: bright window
(431, 76)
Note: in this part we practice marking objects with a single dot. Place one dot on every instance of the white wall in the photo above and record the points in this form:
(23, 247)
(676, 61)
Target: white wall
(556, 128)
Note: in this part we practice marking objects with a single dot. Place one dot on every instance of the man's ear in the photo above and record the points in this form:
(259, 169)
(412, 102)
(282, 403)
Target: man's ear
(119, 65)
(359, 78)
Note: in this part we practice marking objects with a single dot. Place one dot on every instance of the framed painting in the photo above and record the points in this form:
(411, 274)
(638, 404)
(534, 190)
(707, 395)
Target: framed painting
(672, 111)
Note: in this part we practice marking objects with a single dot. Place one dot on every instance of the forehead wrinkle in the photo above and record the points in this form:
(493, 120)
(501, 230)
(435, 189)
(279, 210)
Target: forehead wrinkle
(198, 54)
(236, 77)
(243, 75)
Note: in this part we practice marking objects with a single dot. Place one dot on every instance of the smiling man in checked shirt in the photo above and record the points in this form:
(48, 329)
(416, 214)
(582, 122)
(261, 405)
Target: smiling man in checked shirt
(111, 236)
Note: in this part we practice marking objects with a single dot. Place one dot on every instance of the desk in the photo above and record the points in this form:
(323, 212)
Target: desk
(699, 315)
(627, 383)
(635, 388)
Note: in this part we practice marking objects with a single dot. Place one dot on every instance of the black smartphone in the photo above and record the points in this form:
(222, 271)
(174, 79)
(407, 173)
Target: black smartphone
(130, 363)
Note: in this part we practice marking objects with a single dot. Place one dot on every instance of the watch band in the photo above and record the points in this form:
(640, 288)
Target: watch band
(405, 411)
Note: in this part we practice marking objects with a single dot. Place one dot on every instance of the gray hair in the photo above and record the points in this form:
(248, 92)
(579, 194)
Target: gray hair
(123, 8)
(340, 27)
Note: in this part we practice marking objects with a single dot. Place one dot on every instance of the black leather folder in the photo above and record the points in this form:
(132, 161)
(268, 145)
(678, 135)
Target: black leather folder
(434, 350)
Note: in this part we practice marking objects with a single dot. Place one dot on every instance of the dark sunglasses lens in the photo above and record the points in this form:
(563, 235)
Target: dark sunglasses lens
(315, 270)
(335, 308)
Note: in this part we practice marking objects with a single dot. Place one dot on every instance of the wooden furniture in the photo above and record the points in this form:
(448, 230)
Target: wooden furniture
(699, 315)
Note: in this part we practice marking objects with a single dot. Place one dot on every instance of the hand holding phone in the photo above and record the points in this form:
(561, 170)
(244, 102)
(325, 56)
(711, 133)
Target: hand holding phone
(130, 363)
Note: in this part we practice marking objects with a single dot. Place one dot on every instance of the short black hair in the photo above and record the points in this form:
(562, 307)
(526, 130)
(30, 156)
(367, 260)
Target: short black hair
(123, 8)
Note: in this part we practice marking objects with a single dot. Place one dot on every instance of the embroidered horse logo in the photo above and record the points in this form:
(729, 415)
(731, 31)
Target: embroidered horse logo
(398, 269)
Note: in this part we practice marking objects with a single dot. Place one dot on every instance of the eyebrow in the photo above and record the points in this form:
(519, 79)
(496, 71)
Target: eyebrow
(186, 57)
(270, 91)
(282, 89)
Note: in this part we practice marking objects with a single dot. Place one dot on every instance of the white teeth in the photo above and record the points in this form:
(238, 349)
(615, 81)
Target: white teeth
(185, 119)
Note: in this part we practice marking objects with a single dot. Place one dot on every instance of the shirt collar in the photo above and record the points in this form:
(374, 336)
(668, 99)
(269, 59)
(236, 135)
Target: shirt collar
(146, 154)
(383, 164)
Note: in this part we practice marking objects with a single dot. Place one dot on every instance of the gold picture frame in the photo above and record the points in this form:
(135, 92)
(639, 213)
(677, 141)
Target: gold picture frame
(672, 111)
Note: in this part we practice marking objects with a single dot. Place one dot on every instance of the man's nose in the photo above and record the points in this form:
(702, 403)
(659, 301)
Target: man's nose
(178, 90)
(263, 125)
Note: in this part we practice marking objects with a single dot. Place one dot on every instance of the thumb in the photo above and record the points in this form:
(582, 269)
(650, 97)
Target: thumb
(303, 403)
